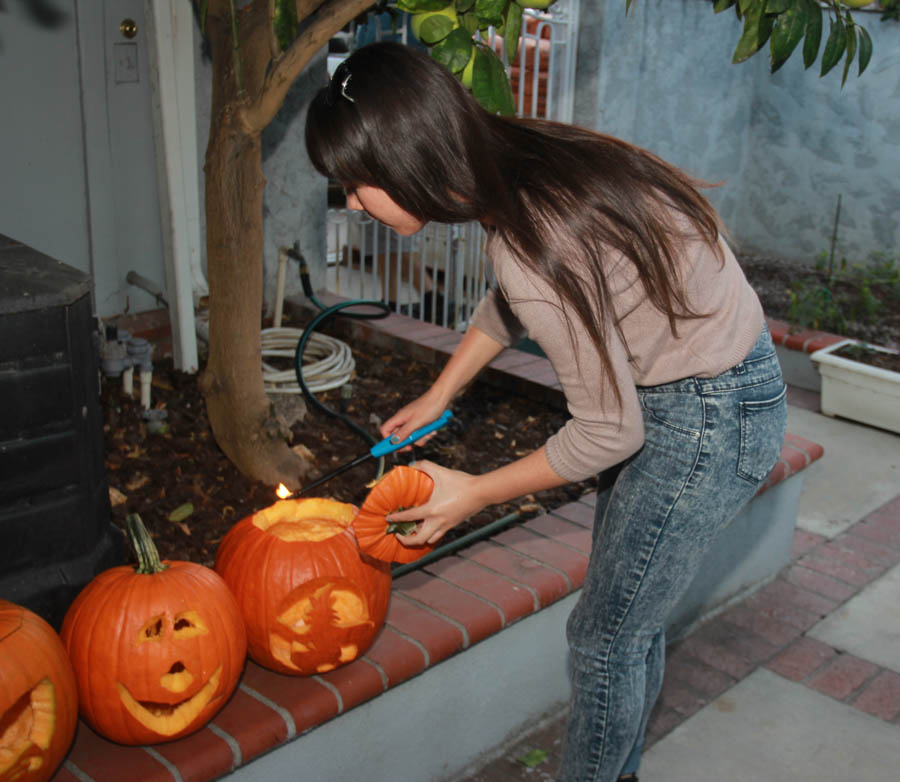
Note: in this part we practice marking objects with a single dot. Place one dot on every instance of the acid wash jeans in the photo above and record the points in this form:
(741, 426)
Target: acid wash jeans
(709, 444)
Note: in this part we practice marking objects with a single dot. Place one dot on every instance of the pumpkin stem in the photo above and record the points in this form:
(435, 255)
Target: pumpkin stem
(144, 547)
(401, 527)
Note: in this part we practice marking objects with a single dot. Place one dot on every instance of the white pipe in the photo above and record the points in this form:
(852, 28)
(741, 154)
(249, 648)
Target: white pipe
(279, 287)
(146, 379)
(128, 381)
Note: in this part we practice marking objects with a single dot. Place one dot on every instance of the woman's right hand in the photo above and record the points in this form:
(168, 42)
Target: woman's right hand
(475, 351)
(416, 414)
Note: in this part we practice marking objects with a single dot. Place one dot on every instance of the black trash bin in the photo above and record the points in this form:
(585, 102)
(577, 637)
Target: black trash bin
(56, 531)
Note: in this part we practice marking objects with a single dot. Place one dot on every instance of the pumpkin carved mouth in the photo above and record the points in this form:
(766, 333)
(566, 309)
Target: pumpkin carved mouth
(168, 719)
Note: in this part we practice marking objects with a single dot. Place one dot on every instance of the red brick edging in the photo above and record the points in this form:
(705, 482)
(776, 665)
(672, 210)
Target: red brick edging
(808, 340)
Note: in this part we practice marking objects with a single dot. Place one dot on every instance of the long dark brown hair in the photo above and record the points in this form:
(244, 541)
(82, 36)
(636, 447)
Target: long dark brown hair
(561, 197)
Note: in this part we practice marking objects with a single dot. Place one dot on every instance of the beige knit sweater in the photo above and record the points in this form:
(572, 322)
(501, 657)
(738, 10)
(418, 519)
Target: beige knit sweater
(599, 433)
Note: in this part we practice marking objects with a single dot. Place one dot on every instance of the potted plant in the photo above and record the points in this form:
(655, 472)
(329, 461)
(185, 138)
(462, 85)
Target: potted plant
(860, 382)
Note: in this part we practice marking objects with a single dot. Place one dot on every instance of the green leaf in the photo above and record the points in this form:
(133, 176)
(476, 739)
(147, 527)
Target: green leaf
(834, 46)
(757, 27)
(851, 49)
(469, 22)
(464, 5)
(790, 26)
(813, 33)
(512, 31)
(433, 28)
(865, 49)
(745, 6)
(417, 6)
(723, 5)
(454, 51)
(532, 758)
(778, 6)
(489, 13)
(181, 512)
(490, 84)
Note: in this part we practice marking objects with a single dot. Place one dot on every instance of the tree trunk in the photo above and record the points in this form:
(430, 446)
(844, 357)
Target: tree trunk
(241, 415)
(250, 81)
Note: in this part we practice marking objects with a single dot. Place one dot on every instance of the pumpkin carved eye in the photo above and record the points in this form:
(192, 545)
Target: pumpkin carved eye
(189, 625)
(152, 631)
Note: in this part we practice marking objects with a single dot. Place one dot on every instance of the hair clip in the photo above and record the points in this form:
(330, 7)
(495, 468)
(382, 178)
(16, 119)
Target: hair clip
(344, 84)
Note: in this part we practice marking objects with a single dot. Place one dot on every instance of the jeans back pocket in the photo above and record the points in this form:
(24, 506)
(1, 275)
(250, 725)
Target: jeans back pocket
(762, 434)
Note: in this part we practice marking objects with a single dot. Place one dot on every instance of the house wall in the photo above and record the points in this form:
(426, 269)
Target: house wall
(784, 146)
(77, 159)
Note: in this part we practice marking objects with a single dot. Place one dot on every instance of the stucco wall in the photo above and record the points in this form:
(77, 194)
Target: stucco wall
(784, 146)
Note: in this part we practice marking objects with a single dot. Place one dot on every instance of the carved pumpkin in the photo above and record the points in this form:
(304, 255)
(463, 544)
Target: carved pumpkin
(402, 487)
(38, 698)
(157, 649)
(310, 600)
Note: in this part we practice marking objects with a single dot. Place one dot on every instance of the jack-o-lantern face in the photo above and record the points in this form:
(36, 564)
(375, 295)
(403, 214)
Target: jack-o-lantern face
(180, 695)
(321, 625)
(155, 656)
(38, 699)
(310, 600)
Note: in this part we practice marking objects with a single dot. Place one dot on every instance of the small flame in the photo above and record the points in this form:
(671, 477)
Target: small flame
(283, 491)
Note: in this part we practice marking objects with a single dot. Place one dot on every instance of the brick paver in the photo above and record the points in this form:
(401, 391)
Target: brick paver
(843, 676)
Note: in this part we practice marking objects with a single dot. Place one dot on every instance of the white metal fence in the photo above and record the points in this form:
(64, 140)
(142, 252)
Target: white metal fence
(440, 273)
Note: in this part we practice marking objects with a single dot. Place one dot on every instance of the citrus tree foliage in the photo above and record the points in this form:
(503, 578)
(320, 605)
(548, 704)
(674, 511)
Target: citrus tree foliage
(783, 24)
(456, 34)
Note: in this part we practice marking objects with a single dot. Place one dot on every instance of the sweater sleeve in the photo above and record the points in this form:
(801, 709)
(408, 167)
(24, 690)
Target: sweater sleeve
(601, 431)
(494, 317)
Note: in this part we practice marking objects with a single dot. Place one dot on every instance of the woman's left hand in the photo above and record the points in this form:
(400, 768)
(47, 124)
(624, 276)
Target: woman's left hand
(453, 499)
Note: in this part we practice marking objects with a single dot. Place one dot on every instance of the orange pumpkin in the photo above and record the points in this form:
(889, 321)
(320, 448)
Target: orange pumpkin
(38, 698)
(157, 649)
(310, 600)
(402, 487)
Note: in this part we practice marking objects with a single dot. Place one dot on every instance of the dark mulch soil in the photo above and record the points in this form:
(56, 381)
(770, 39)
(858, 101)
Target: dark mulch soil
(867, 355)
(156, 474)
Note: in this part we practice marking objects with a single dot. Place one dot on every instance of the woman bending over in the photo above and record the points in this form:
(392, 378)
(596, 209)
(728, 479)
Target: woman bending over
(614, 263)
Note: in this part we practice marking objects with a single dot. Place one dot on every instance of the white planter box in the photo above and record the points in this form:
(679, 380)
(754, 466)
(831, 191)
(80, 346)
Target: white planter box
(858, 391)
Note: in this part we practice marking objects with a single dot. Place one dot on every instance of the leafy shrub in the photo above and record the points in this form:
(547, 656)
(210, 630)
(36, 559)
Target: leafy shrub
(859, 292)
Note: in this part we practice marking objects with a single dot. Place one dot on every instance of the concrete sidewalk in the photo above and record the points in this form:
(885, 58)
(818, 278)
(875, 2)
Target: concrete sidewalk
(800, 681)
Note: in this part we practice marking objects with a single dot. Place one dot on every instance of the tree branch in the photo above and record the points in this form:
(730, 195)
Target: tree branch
(306, 8)
(274, 46)
(329, 19)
